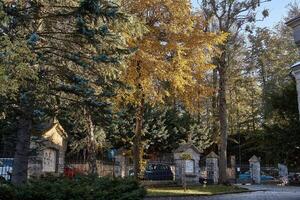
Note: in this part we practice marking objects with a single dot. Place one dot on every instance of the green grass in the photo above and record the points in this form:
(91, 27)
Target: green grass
(192, 191)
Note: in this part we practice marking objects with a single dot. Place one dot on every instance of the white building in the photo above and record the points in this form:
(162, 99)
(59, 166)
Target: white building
(295, 24)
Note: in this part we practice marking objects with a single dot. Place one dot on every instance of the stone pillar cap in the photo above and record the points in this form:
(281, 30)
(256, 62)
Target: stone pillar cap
(183, 147)
(212, 155)
(254, 159)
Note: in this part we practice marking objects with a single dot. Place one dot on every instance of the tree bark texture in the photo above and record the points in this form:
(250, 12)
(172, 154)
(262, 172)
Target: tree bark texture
(137, 143)
(137, 147)
(20, 166)
(223, 122)
(215, 112)
(92, 146)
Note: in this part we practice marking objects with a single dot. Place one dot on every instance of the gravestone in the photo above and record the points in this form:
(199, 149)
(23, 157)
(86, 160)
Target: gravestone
(255, 170)
(212, 167)
(187, 169)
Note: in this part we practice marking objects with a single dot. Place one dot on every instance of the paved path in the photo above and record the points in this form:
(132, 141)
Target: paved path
(269, 193)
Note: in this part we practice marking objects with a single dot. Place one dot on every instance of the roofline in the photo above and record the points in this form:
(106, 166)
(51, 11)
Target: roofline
(254, 158)
(291, 23)
(212, 155)
(189, 146)
(296, 66)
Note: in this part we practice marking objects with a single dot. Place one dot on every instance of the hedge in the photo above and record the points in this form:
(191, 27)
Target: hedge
(79, 188)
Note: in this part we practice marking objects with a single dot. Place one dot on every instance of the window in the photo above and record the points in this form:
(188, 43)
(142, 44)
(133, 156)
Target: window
(189, 166)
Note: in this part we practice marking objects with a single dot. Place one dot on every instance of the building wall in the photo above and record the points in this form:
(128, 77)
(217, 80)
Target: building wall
(297, 77)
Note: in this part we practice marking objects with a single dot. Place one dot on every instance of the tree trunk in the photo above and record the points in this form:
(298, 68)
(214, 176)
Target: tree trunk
(223, 123)
(264, 90)
(215, 126)
(20, 167)
(215, 102)
(92, 151)
(137, 147)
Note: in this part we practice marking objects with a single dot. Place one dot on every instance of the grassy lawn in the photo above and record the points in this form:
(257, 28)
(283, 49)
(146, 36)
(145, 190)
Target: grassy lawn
(193, 190)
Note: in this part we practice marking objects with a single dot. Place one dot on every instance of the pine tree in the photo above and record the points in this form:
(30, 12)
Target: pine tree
(60, 50)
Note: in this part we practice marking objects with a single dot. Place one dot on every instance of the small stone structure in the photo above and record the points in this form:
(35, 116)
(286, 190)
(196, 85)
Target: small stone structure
(283, 173)
(255, 169)
(187, 169)
(283, 170)
(48, 149)
(212, 167)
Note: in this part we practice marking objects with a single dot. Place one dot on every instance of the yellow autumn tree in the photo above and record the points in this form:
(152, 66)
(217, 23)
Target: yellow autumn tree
(172, 58)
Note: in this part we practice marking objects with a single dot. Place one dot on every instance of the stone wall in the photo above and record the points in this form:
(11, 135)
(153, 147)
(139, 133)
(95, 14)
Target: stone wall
(180, 169)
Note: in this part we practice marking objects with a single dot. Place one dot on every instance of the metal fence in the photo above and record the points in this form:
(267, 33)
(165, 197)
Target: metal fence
(104, 168)
(6, 164)
(154, 169)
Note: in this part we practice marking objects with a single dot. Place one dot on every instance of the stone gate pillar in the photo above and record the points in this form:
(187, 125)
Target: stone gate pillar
(232, 176)
(187, 169)
(255, 169)
(212, 167)
(283, 173)
(121, 162)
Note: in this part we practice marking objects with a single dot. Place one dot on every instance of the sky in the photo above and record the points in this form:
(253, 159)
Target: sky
(277, 9)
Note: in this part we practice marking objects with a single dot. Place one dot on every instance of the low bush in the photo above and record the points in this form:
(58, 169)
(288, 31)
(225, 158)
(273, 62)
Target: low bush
(7, 192)
(79, 188)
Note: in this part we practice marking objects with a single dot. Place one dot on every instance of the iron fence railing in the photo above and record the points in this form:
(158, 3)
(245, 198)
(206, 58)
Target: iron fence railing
(6, 165)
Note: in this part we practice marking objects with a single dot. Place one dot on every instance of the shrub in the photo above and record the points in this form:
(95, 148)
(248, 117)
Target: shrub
(7, 192)
(80, 188)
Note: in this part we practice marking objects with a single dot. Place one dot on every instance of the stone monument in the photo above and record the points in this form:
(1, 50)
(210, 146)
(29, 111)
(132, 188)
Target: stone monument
(255, 170)
(212, 167)
(187, 169)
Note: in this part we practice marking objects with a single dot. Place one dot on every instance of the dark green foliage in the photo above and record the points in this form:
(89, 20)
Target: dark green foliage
(279, 140)
(53, 55)
(282, 139)
(80, 188)
(71, 117)
(121, 130)
(7, 192)
(164, 128)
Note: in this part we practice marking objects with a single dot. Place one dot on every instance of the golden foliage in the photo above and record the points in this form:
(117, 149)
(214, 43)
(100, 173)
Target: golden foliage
(173, 56)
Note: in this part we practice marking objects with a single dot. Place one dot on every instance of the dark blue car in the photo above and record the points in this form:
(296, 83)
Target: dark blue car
(158, 172)
(246, 176)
